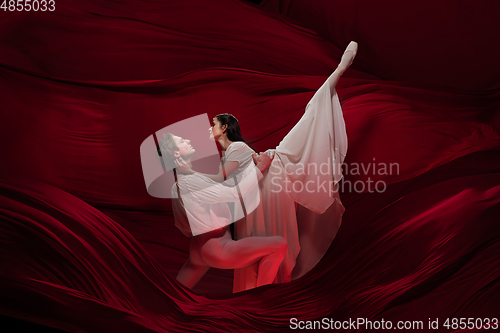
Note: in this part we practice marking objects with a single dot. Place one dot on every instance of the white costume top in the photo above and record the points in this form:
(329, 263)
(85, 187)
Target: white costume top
(205, 201)
(240, 152)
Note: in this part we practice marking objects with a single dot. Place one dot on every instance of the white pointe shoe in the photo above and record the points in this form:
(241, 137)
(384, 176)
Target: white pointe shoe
(349, 54)
(345, 62)
(353, 47)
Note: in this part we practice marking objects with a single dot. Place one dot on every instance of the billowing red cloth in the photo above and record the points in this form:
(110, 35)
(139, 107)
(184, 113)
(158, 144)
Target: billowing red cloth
(84, 247)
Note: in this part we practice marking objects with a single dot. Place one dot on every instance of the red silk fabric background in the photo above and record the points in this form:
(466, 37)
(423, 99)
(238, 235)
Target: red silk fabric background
(84, 247)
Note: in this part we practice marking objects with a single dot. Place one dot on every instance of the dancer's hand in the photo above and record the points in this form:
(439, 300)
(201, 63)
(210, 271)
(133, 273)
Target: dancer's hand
(262, 161)
(258, 157)
(271, 153)
(183, 167)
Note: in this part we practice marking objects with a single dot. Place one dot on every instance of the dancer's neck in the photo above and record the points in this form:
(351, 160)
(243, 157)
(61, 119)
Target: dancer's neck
(180, 173)
(224, 142)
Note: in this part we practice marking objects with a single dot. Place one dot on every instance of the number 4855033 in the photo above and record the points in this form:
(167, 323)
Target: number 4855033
(28, 5)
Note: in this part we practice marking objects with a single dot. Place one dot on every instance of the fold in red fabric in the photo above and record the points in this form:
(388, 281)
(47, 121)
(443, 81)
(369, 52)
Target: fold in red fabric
(84, 247)
(442, 45)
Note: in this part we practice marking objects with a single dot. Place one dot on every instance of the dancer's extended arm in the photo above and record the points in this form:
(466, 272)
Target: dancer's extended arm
(226, 170)
(211, 193)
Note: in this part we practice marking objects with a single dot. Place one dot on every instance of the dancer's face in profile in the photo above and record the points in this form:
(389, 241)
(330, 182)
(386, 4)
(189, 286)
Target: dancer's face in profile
(216, 130)
(185, 149)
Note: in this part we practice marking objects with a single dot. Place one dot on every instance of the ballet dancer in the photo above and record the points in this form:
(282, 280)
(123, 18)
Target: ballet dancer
(202, 205)
(310, 227)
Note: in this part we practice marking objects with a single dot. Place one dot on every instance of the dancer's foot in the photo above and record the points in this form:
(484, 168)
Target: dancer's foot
(347, 58)
(345, 62)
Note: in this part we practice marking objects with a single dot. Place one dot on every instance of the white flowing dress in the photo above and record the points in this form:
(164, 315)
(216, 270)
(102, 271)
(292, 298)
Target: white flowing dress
(299, 199)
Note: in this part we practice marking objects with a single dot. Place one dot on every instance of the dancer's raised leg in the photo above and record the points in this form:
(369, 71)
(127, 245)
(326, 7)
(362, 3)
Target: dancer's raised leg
(345, 62)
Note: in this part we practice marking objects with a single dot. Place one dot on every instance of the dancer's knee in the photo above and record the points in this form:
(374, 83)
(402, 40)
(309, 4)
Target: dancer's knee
(280, 245)
(212, 254)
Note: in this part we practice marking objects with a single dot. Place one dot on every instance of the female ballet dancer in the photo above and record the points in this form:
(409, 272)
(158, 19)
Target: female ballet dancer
(295, 202)
(201, 209)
